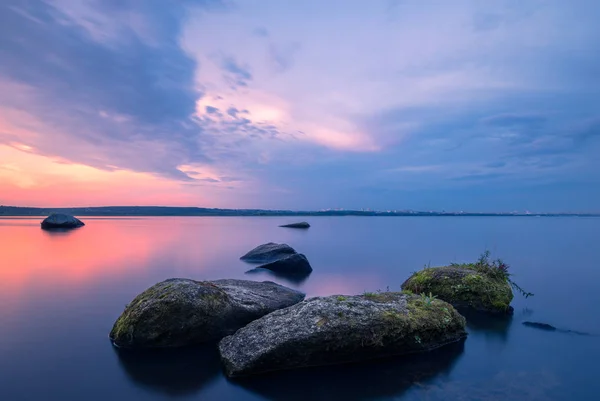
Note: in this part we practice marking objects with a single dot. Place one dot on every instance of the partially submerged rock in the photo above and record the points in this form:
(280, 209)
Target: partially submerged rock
(179, 312)
(549, 327)
(267, 253)
(61, 220)
(541, 326)
(463, 286)
(339, 329)
(292, 264)
(302, 224)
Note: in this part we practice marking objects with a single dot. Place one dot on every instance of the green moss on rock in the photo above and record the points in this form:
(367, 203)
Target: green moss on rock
(174, 312)
(464, 286)
(179, 312)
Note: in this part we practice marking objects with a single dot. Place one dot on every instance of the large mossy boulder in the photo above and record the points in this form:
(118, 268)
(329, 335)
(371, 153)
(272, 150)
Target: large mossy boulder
(267, 253)
(339, 329)
(469, 286)
(179, 312)
(61, 221)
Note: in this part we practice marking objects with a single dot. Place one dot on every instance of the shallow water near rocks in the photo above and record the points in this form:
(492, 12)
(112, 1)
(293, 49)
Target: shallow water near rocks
(60, 293)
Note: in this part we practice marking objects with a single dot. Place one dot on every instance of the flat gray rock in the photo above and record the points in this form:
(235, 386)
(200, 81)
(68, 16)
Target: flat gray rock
(339, 329)
(267, 253)
(60, 220)
(179, 312)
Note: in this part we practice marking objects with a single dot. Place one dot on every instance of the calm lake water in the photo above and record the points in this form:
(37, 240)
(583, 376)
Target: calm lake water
(60, 294)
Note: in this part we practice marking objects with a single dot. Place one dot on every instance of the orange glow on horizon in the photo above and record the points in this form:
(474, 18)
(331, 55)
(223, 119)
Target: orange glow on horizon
(29, 179)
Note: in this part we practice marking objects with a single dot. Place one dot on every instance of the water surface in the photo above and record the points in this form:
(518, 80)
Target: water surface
(61, 292)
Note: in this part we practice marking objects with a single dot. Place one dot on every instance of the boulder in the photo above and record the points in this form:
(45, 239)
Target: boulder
(302, 224)
(60, 220)
(339, 329)
(179, 312)
(464, 286)
(293, 264)
(267, 253)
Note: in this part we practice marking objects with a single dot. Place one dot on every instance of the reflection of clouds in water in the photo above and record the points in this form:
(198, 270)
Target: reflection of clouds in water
(505, 386)
(81, 255)
(113, 248)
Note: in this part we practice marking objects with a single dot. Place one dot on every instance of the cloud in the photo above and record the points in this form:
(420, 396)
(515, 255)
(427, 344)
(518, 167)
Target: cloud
(235, 73)
(261, 31)
(282, 56)
(427, 97)
(514, 120)
(112, 104)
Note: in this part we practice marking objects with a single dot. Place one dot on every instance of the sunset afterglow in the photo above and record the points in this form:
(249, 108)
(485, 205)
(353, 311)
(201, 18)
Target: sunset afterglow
(387, 104)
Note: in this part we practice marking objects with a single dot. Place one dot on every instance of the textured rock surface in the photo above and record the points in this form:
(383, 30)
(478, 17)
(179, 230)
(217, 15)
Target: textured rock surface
(463, 287)
(59, 220)
(338, 329)
(302, 224)
(267, 253)
(179, 312)
(292, 264)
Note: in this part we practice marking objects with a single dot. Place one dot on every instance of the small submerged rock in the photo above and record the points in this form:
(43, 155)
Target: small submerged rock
(280, 258)
(267, 253)
(549, 327)
(464, 287)
(302, 224)
(292, 264)
(339, 329)
(541, 326)
(61, 220)
(179, 312)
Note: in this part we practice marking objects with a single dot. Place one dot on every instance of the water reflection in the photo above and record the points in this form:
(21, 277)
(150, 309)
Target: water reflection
(372, 380)
(60, 295)
(504, 386)
(59, 231)
(73, 257)
(292, 278)
(491, 326)
(176, 372)
(107, 249)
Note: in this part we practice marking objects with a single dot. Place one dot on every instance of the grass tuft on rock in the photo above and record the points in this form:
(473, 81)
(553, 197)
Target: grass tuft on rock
(484, 285)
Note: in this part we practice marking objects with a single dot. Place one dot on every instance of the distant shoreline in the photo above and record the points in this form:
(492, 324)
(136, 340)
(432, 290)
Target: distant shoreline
(148, 211)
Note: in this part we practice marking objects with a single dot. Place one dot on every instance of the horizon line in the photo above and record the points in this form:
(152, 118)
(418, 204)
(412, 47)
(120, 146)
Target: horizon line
(300, 211)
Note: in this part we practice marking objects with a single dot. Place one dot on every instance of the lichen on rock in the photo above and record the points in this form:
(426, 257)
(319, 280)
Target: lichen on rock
(339, 329)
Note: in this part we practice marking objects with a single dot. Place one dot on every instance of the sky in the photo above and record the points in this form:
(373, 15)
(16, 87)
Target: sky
(301, 104)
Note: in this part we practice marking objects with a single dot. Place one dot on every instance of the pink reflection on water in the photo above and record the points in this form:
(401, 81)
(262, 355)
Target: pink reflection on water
(31, 256)
(342, 284)
(152, 248)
